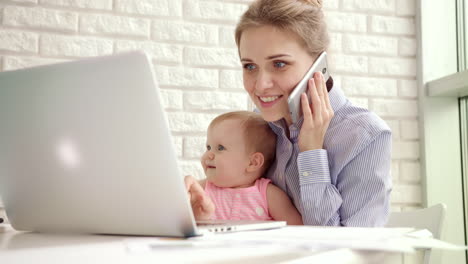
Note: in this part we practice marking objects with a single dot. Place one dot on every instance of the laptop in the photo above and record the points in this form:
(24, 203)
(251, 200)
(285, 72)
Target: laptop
(85, 147)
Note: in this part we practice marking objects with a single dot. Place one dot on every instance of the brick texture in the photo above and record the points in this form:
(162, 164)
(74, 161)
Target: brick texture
(40, 18)
(86, 4)
(115, 25)
(22, 42)
(167, 8)
(373, 54)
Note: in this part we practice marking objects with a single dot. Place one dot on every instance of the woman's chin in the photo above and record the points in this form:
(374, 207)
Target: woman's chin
(272, 114)
(271, 117)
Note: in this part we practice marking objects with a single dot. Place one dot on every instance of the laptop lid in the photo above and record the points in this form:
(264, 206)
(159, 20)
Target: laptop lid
(85, 147)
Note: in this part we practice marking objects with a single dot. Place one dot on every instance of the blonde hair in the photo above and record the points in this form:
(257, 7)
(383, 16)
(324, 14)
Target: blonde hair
(257, 133)
(302, 17)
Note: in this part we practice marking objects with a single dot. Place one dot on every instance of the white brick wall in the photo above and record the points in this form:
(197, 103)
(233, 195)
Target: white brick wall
(101, 24)
(222, 11)
(191, 43)
(40, 18)
(90, 4)
(73, 46)
(163, 8)
(17, 41)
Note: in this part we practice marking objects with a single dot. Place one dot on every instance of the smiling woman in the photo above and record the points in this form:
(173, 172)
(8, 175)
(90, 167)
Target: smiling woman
(334, 162)
(272, 57)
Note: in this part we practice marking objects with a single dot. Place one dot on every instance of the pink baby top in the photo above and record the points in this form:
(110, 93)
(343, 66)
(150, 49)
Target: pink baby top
(240, 203)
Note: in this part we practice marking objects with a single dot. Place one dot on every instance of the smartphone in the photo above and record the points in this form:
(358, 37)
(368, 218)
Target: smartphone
(294, 99)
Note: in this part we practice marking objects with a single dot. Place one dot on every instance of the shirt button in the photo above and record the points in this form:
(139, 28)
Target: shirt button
(305, 173)
(237, 196)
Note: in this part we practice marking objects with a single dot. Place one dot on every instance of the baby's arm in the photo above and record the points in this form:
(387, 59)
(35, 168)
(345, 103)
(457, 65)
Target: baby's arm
(280, 206)
(202, 205)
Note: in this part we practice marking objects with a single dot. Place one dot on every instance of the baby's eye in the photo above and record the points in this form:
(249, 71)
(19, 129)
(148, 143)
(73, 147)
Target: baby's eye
(249, 67)
(221, 147)
(208, 147)
(279, 64)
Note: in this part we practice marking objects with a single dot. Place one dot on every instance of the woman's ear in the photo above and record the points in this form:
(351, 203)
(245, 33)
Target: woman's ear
(256, 162)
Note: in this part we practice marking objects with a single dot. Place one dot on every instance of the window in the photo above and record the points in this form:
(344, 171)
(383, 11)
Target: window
(462, 34)
(443, 117)
(466, 32)
(462, 37)
(464, 150)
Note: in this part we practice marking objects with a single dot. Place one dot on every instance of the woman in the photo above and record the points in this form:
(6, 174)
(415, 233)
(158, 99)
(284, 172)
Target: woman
(334, 163)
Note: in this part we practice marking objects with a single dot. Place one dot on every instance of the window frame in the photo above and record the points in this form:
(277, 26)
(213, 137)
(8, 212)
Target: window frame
(464, 150)
(465, 17)
(462, 48)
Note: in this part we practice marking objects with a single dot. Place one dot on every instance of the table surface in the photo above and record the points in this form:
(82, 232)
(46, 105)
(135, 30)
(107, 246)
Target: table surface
(27, 247)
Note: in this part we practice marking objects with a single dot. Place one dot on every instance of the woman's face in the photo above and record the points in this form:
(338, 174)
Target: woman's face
(273, 64)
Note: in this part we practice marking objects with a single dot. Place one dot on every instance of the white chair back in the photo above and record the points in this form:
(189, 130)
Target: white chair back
(430, 218)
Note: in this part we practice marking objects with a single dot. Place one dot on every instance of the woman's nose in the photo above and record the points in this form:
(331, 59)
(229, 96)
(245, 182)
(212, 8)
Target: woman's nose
(264, 81)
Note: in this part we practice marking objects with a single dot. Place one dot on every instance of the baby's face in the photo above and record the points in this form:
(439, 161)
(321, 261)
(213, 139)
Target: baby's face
(226, 159)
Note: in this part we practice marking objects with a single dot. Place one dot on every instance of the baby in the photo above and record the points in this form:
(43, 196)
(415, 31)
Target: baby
(240, 147)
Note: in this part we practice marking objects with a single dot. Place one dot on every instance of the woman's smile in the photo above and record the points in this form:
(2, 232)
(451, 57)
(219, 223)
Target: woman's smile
(268, 101)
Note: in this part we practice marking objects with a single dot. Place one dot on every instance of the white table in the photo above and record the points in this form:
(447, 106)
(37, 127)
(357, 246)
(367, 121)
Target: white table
(24, 247)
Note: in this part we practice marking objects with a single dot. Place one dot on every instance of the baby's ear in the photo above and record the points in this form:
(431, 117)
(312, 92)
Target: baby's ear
(256, 162)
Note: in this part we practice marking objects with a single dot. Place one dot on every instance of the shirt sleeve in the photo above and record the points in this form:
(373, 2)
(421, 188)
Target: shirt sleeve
(361, 194)
(320, 198)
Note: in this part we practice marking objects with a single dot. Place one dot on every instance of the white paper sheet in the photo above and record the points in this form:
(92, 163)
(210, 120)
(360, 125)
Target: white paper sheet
(305, 238)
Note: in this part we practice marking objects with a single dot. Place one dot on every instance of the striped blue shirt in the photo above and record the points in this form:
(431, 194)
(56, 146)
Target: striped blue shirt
(347, 183)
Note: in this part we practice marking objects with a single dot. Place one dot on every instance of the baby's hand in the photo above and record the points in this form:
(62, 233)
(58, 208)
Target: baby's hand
(202, 205)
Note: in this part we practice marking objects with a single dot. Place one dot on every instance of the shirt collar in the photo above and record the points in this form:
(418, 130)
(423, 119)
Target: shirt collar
(337, 98)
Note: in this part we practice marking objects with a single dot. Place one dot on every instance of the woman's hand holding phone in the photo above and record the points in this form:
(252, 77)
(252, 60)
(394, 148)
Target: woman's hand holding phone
(317, 114)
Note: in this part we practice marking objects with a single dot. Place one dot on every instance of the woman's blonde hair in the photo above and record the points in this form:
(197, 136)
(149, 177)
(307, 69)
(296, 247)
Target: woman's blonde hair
(302, 17)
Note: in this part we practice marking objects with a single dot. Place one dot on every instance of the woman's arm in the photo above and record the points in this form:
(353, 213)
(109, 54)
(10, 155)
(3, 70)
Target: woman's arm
(361, 194)
(280, 206)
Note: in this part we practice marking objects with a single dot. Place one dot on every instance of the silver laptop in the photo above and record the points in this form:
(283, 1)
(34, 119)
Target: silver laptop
(85, 147)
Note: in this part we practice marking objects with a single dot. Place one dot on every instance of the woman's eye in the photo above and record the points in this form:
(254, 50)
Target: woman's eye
(279, 64)
(249, 67)
(221, 147)
(208, 147)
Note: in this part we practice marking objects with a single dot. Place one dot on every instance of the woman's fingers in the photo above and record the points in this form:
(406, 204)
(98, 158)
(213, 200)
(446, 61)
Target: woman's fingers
(316, 101)
(317, 115)
(306, 112)
(325, 98)
(318, 80)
